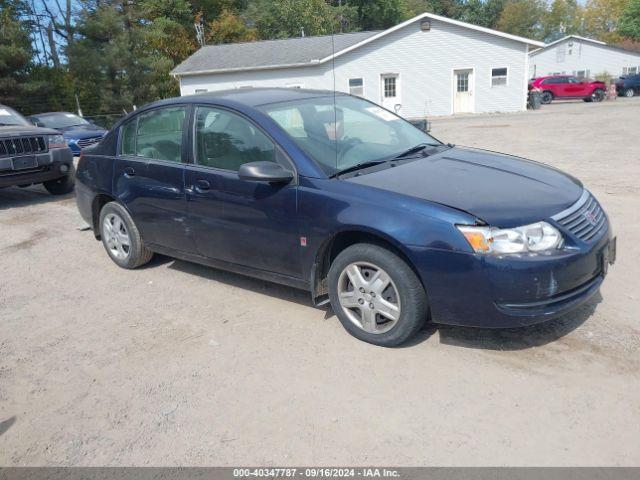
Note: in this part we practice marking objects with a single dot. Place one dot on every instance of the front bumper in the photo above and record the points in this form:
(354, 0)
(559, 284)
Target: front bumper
(55, 163)
(512, 291)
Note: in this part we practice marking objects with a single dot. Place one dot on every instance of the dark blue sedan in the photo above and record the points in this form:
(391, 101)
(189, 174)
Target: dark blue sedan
(78, 132)
(335, 195)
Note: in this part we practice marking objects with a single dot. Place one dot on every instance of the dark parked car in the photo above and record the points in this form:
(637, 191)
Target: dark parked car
(78, 132)
(350, 202)
(628, 85)
(567, 87)
(31, 155)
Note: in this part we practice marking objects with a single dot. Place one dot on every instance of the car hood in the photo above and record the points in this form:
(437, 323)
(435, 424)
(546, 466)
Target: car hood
(502, 190)
(16, 130)
(83, 131)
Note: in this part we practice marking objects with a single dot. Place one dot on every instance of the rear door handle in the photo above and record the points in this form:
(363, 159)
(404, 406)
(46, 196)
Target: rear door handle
(202, 185)
(129, 172)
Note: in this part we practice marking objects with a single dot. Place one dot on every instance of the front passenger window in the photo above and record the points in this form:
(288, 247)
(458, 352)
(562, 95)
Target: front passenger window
(225, 140)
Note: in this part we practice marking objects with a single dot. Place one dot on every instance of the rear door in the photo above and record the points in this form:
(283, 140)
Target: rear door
(253, 224)
(575, 88)
(149, 175)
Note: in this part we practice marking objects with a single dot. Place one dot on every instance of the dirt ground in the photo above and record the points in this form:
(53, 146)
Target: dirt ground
(178, 364)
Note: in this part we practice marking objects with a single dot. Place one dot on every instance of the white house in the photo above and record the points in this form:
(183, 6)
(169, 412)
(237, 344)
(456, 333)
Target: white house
(583, 57)
(428, 65)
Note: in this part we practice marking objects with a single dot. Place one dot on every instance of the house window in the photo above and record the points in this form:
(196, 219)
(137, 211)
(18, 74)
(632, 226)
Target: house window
(581, 74)
(390, 87)
(498, 76)
(462, 84)
(356, 87)
(629, 70)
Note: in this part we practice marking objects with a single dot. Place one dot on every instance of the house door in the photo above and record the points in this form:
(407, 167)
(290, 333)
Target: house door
(390, 85)
(463, 91)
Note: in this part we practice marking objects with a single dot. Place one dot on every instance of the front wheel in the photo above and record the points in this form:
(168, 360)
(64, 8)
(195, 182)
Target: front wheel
(376, 295)
(62, 185)
(121, 238)
(598, 95)
(546, 97)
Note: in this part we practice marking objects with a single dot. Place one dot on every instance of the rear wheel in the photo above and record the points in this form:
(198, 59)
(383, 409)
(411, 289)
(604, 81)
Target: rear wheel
(598, 95)
(121, 238)
(546, 97)
(376, 295)
(629, 93)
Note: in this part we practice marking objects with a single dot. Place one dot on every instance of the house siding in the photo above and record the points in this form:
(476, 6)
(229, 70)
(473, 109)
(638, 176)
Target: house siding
(582, 55)
(424, 61)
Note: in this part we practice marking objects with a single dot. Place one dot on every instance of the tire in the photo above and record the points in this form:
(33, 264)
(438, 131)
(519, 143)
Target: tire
(597, 95)
(546, 97)
(62, 185)
(123, 230)
(629, 93)
(358, 308)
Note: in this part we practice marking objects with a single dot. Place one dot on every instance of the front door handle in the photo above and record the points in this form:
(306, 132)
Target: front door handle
(202, 185)
(129, 172)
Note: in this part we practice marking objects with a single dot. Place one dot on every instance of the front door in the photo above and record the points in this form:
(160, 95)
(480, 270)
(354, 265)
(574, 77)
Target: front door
(149, 176)
(390, 91)
(247, 223)
(463, 91)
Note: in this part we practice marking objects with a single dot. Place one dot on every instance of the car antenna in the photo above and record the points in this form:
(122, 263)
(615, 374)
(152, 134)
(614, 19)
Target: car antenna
(333, 71)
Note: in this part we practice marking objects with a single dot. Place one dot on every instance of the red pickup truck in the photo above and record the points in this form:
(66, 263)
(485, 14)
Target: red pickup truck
(567, 86)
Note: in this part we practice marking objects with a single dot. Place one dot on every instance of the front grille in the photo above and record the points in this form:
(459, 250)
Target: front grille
(87, 142)
(585, 218)
(22, 146)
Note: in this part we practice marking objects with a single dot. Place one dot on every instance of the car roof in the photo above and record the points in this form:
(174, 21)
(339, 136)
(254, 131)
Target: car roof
(52, 113)
(252, 97)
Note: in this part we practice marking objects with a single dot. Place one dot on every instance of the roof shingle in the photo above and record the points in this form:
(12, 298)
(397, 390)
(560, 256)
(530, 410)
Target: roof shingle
(269, 53)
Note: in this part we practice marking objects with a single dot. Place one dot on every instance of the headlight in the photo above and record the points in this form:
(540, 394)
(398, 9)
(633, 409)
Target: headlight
(57, 141)
(537, 237)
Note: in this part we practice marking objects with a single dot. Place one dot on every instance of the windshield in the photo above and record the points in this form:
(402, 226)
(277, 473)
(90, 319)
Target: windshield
(352, 132)
(8, 116)
(61, 120)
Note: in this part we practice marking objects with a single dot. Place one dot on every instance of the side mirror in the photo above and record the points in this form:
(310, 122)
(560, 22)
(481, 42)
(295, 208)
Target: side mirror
(265, 172)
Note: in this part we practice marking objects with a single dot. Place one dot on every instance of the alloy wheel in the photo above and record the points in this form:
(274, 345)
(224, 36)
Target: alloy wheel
(369, 297)
(116, 236)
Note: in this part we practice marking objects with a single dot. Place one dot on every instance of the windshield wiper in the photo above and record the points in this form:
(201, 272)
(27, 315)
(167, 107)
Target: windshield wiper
(358, 166)
(417, 149)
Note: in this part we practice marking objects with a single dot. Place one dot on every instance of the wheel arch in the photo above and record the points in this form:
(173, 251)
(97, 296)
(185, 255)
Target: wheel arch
(340, 240)
(99, 201)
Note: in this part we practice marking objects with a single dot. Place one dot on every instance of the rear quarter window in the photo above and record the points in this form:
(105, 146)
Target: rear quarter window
(128, 137)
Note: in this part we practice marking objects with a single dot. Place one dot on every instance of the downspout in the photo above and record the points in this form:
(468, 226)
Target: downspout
(526, 78)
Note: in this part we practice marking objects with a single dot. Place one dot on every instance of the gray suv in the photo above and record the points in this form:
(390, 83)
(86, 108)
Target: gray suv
(30, 155)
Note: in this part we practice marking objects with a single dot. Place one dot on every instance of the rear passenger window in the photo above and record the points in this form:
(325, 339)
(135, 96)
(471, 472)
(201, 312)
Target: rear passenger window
(225, 140)
(156, 134)
(159, 134)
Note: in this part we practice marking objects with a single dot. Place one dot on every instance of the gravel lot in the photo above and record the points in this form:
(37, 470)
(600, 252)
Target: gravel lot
(178, 364)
